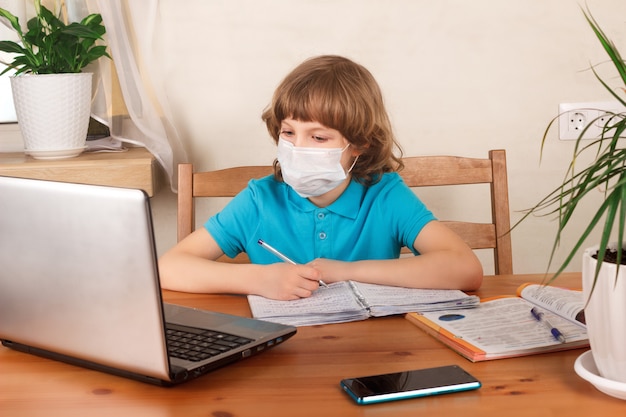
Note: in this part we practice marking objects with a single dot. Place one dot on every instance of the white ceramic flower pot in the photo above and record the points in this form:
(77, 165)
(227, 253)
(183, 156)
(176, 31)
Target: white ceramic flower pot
(53, 113)
(606, 316)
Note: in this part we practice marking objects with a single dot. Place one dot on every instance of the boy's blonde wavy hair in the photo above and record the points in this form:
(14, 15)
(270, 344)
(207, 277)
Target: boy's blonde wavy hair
(342, 95)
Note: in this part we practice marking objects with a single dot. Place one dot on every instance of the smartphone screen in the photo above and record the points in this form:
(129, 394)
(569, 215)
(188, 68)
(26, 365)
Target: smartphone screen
(409, 384)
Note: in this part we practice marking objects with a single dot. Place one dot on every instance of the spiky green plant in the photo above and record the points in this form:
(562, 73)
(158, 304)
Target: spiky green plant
(50, 46)
(607, 172)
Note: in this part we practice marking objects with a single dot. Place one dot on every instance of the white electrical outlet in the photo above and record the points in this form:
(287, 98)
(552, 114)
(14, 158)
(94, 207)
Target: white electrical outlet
(590, 118)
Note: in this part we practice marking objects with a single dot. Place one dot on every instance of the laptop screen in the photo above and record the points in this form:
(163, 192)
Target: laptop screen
(79, 273)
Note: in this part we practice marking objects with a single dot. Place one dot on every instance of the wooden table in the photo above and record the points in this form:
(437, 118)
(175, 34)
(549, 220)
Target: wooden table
(301, 377)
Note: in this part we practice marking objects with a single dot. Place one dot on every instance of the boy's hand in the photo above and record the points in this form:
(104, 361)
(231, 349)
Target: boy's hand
(331, 270)
(282, 281)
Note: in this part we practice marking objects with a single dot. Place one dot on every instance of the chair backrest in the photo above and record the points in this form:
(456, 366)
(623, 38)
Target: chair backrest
(419, 171)
(221, 183)
(423, 171)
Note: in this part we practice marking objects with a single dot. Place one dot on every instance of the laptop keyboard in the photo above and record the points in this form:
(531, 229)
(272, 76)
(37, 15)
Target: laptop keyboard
(196, 345)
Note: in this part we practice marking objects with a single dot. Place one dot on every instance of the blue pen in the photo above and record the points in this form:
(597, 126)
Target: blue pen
(282, 256)
(541, 319)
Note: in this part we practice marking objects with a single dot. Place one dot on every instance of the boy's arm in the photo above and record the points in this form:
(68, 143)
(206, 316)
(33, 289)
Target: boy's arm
(190, 266)
(445, 262)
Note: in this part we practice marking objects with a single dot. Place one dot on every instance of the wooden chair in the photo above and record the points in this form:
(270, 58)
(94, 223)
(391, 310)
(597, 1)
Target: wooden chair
(418, 171)
(221, 183)
(423, 171)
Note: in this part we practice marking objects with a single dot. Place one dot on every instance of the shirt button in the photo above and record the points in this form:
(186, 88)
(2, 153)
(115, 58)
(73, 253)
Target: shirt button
(320, 216)
(322, 236)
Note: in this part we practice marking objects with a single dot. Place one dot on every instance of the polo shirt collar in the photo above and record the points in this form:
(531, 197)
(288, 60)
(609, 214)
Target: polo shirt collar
(347, 205)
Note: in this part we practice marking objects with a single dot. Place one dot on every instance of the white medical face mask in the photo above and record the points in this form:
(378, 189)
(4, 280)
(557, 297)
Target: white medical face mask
(311, 172)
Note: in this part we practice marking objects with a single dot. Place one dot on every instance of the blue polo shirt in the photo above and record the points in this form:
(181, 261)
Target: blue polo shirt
(365, 222)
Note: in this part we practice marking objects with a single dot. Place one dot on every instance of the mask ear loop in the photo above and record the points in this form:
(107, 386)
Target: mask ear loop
(353, 164)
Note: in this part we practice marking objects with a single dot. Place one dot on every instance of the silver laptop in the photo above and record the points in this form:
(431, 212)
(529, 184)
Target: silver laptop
(79, 283)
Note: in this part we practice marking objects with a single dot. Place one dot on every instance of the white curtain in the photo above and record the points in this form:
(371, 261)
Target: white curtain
(144, 118)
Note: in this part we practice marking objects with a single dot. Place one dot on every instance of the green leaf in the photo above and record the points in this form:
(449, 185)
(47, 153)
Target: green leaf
(50, 46)
(11, 47)
(608, 46)
(13, 20)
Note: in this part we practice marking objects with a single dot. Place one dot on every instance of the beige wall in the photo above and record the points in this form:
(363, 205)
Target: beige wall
(459, 77)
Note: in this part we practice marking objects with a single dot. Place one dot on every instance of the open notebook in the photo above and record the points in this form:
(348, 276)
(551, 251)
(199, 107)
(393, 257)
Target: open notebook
(79, 283)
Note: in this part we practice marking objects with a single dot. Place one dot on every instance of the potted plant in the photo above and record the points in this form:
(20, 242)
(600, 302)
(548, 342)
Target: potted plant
(604, 285)
(51, 93)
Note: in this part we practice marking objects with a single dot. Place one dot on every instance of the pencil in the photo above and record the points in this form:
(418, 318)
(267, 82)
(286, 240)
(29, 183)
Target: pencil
(282, 257)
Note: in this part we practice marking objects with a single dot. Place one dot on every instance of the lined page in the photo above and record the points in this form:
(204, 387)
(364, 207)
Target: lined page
(334, 304)
(385, 300)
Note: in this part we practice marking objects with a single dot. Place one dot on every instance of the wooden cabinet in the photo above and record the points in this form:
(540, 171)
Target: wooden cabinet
(134, 168)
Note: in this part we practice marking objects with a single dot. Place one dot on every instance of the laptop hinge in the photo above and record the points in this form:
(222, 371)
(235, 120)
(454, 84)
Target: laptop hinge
(178, 373)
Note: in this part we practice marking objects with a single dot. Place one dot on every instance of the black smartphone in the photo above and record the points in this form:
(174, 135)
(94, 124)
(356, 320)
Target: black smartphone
(409, 384)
